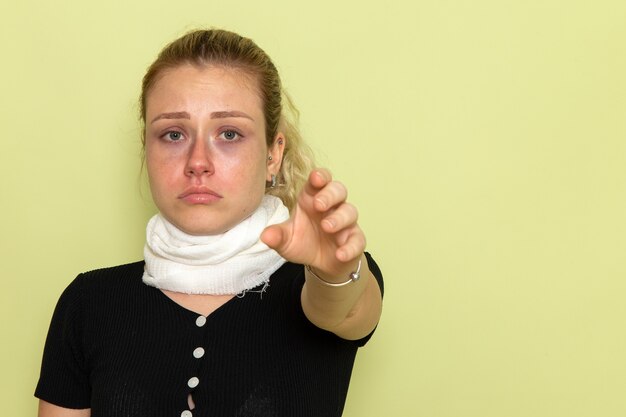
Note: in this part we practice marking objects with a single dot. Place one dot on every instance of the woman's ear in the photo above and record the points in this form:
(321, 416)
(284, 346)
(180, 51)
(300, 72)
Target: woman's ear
(275, 156)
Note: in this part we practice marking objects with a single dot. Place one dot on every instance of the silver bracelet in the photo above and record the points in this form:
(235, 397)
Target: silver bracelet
(354, 277)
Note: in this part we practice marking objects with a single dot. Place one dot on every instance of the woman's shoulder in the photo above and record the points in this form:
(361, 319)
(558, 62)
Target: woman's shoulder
(102, 280)
(114, 272)
(95, 291)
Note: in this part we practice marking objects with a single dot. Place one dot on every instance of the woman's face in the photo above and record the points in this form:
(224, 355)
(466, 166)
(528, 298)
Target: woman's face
(206, 153)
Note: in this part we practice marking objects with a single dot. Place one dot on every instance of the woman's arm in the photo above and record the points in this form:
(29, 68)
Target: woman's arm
(50, 410)
(323, 233)
(350, 311)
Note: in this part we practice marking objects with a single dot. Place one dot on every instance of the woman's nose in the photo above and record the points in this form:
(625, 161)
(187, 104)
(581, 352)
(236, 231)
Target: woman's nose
(199, 161)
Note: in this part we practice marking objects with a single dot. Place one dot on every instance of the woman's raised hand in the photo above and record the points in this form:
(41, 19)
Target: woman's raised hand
(322, 230)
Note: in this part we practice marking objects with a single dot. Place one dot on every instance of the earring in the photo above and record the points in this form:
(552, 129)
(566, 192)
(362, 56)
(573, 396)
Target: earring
(273, 181)
(269, 157)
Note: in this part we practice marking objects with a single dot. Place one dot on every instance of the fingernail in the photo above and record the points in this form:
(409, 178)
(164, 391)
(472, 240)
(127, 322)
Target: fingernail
(330, 223)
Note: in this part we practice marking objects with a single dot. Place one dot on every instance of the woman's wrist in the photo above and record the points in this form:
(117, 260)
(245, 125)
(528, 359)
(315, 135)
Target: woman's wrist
(335, 281)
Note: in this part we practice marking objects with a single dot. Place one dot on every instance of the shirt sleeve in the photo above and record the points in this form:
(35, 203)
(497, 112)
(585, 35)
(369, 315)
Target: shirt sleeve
(373, 267)
(64, 378)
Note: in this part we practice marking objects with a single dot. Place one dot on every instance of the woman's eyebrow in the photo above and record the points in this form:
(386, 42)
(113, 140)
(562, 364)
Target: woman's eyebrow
(214, 115)
(232, 113)
(173, 115)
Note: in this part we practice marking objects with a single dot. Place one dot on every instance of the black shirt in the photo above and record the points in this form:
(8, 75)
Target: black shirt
(122, 348)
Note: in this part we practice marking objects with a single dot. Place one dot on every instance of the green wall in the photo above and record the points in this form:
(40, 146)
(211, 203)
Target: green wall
(483, 141)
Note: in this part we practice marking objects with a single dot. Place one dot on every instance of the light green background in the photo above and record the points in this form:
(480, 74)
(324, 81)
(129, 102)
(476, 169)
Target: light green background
(483, 141)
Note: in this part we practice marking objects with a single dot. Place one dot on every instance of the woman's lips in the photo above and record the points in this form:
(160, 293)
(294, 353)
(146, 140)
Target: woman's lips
(199, 195)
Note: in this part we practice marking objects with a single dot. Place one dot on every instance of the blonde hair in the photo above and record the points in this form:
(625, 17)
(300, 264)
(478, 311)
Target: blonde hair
(229, 50)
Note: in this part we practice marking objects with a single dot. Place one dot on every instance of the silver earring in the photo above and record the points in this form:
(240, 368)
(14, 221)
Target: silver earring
(269, 157)
(273, 181)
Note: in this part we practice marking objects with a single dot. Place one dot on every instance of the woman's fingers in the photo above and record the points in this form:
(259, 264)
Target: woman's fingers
(318, 178)
(323, 230)
(333, 194)
(276, 236)
(344, 216)
(353, 247)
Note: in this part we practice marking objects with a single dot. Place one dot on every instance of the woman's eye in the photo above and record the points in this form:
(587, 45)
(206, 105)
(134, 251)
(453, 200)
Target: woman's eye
(230, 135)
(174, 136)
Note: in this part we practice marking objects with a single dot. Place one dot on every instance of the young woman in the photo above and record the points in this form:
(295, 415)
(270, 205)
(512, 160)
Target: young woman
(255, 292)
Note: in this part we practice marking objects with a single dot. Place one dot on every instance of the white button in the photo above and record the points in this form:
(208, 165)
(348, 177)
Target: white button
(200, 321)
(198, 353)
(193, 382)
(186, 413)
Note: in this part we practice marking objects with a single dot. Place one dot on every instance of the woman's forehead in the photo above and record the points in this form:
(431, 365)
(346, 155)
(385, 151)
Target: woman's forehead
(202, 86)
(238, 77)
